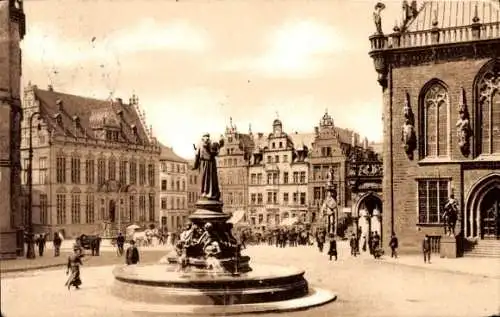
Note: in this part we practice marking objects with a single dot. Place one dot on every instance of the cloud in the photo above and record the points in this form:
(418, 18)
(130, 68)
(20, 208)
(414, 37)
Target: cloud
(295, 49)
(47, 44)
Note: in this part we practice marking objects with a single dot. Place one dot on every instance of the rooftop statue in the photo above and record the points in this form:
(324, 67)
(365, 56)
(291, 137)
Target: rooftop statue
(377, 17)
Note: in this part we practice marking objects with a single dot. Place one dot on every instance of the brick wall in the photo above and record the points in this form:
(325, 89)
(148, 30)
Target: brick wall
(405, 171)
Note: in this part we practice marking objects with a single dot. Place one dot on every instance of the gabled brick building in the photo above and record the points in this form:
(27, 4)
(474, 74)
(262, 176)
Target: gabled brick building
(440, 77)
(95, 163)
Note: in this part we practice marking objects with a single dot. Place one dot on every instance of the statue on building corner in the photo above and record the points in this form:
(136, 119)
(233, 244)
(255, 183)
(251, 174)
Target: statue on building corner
(450, 215)
(205, 161)
(464, 130)
(408, 136)
(377, 18)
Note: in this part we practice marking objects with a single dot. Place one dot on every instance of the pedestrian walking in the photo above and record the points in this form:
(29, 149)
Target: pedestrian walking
(120, 242)
(57, 241)
(74, 263)
(132, 254)
(364, 243)
(332, 250)
(41, 244)
(426, 249)
(353, 243)
(393, 244)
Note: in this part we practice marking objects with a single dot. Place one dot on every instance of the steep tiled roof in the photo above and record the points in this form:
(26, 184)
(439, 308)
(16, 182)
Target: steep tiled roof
(70, 107)
(302, 138)
(168, 154)
(454, 14)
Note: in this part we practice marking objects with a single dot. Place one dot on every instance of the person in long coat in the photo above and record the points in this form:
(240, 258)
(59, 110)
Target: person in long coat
(74, 262)
(332, 250)
(132, 254)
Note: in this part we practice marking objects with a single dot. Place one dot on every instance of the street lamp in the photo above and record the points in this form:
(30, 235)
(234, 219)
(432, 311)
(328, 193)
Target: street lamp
(30, 254)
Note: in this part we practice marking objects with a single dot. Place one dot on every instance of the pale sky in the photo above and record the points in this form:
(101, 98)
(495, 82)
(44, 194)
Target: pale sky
(196, 63)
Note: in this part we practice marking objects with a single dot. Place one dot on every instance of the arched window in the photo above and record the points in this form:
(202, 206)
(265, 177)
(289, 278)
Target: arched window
(488, 108)
(434, 109)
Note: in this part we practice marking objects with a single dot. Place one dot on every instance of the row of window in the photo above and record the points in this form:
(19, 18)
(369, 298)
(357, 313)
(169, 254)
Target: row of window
(274, 178)
(231, 198)
(193, 197)
(436, 105)
(173, 203)
(127, 171)
(193, 179)
(176, 185)
(276, 158)
(172, 167)
(272, 198)
(271, 220)
(128, 209)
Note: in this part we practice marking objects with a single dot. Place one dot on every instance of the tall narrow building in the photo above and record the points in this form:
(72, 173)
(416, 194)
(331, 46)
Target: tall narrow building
(12, 30)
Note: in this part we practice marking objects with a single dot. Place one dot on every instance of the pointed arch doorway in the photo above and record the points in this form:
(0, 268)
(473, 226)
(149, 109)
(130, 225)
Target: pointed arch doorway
(482, 216)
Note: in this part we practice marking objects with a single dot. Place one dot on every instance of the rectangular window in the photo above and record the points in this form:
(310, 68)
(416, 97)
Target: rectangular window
(151, 174)
(432, 197)
(43, 209)
(285, 178)
(285, 158)
(89, 209)
(275, 178)
(164, 203)
(295, 177)
(89, 171)
(142, 174)
(285, 198)
(163, 167)
(112, 169)
(260, 199)
(42, 170)
(253, 199)
(61, 170)
(316, 172)
(276, 158)
(302, 177)
(259, 178)
(269, 197)
(133, 173)
(163, 184)
(75, 209)
(151, 210)
(131, 207)
(275, 198)
(302, 198)
(75, 170)
(142, 208)
(61, 208)
(269, 159)
(101, 171)
(295, 197)
(269, 178)
(253, 179)
(123, 172)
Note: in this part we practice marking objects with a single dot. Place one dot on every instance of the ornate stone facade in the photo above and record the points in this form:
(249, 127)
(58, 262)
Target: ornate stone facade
(95, 164)
(12, 30)
(173, 190)
(445, 65)
(233, 164)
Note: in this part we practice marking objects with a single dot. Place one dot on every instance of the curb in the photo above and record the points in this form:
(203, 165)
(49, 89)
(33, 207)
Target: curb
(27, 269)
(433, 268)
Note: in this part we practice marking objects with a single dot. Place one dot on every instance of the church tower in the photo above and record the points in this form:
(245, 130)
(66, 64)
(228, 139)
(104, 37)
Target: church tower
(12, 30)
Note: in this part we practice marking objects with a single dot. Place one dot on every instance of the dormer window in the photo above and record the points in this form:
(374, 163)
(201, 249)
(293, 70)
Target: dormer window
(58, 118)
(59, 105)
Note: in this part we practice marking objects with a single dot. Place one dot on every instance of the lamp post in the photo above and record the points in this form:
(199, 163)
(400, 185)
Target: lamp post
(30, 253)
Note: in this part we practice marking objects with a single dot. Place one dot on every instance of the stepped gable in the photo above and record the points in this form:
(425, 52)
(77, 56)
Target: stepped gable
(90, 113)
(168, 154)
(450, 14)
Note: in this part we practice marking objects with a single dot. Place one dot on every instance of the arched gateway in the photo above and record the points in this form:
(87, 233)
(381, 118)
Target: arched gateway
(482, 213)
(369, 209)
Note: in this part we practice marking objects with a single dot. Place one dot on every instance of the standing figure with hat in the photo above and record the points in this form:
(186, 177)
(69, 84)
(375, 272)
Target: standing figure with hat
(132, 254)
(74, 262)
(332, 250)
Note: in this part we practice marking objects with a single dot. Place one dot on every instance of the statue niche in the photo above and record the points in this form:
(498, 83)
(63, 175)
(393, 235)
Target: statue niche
(408, 135)
(464, 129)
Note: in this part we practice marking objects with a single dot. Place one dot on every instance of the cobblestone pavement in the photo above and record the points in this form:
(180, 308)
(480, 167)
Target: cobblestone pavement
(365, 287)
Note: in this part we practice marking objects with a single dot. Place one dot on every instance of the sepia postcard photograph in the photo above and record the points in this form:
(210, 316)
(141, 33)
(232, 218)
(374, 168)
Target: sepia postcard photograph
(261, 158)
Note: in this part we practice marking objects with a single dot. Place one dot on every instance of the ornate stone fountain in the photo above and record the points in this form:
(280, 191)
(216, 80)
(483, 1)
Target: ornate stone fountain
(206, 273)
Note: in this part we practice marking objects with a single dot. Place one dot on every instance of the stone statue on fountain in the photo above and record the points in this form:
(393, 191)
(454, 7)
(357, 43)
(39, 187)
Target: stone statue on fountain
(207, 244)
